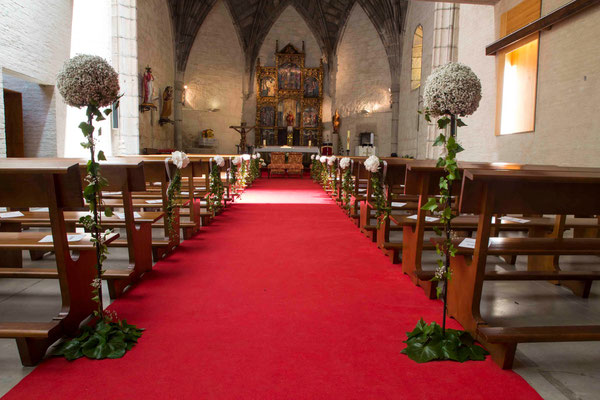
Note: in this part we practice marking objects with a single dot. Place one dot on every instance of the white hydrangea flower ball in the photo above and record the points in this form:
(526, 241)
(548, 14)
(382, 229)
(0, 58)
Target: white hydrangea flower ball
(345, 162)
(331, 160)
(245, 157)
(220, 161)
(372, 164)
(254, 156)
(86, 79)
(237, 160)
(312, 156)
(180, 159)
(323, 159)
(452, 88)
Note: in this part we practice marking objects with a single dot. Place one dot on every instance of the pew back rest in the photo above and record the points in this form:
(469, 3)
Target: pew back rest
(531, 192)
(27, 184)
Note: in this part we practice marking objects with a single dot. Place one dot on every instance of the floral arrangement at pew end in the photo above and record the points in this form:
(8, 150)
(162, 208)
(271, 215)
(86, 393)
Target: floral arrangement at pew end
(331, 179)
(255, 166)
(216, 190)
(244, 173)
(382, 209)
(347, 182)
(233, 170)
(314, 166)
(180, 160)
(451, 91)
(324, 171)
(91, 82)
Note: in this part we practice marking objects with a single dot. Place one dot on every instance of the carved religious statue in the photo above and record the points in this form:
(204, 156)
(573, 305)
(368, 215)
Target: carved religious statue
(242, 131)
(147, 87)
(167, 106)
(336, 123)
(289, 119)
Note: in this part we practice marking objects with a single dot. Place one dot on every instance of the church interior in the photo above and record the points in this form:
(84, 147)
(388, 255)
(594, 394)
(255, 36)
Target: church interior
(303, 199)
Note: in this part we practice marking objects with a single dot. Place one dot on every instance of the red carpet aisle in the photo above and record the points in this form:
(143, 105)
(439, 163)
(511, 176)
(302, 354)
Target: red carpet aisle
(280, 298)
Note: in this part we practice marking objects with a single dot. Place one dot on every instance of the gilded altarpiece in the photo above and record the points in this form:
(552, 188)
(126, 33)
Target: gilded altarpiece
(289, 104)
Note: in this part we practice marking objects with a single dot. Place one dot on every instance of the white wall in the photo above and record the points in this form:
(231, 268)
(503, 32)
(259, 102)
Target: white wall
(568, 94)
(214, 75)
(362, 83)
(34, 42)
(412, 135)
(155, 48)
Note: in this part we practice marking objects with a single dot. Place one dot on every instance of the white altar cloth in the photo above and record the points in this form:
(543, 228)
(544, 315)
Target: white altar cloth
(284, 149)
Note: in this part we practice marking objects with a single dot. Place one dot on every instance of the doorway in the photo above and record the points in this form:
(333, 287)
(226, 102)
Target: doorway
(13, 116)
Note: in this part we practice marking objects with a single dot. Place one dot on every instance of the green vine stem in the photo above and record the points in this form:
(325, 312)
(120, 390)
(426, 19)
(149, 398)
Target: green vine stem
(215, 199)
(443, 204)
(233, 170)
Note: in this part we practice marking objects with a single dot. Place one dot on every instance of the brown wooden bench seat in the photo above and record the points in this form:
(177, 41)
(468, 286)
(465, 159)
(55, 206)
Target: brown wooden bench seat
(488, 192)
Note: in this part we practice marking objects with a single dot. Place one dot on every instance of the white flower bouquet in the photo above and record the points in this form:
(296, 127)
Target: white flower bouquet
(372, 164)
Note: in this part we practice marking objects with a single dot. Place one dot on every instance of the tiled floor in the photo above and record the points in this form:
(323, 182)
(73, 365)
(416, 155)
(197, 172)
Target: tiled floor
(556, 370)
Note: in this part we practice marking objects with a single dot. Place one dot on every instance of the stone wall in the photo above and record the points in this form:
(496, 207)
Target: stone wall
(155, 48)
(34, 43)
(214, 75)
(363, 83)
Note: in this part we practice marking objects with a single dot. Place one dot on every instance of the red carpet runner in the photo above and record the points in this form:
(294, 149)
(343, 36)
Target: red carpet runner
(280, 298)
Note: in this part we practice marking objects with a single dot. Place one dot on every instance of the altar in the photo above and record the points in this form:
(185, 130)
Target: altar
(288, 149)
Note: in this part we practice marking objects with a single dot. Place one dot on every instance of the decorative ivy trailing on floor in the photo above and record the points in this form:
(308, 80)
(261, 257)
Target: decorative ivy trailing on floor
(429, 342)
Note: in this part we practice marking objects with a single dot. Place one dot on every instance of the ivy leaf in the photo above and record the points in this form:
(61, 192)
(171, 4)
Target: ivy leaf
(440, 140)
(459, 123)
(443, 122)
(86, 128)
(108, 212)
(101, 156)
(107, 111)
(427, 117)
(431, 204)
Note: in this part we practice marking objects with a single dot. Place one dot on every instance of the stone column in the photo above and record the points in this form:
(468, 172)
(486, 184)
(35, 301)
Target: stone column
(445, 37)
(178, 110)
(395, 93)
(126, 139)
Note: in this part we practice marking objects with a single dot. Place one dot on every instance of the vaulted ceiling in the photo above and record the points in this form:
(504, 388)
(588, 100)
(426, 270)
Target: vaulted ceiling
(253, 20)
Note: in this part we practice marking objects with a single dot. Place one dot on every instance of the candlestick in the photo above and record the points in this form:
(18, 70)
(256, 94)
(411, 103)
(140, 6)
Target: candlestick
(348, 141)
(372, 138)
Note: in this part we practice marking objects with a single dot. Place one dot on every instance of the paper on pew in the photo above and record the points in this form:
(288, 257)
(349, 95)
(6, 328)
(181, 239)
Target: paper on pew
(70, 238)
(39, 209)
(427, 219)
(11, 214)
(157, 201)
(3, 209)
(469, 243)
(185, 193)
(111, 193)
(513, 219)
(121, 215)
(396, 204)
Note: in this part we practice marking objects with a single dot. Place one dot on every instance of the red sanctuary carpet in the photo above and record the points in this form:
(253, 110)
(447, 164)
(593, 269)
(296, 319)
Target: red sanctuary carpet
(280, 298)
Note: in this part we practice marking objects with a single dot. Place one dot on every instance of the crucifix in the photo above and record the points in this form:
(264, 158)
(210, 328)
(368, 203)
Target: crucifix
(243, 129)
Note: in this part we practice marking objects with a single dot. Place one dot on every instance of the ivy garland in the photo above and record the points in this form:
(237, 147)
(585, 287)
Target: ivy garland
(332, 178)
(382, 209)
(314, 168)
(243, 174)
(347, 188)
(215, 200)
(255, 168)
(233, 171)
(173, 191)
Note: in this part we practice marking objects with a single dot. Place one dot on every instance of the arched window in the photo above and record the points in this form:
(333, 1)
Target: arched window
(417, 56)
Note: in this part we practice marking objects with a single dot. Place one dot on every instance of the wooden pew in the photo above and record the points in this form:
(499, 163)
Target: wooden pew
(489, 192)
(422, 179)
(56, 185)
(122, 176)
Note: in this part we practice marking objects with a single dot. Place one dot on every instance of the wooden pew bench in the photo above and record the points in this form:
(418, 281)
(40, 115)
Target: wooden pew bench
(56, 185)
(488, 192)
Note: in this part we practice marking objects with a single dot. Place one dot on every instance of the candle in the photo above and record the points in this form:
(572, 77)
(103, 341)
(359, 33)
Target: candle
(309, 143)
(264, 142)
(372, 138)
(348, 141)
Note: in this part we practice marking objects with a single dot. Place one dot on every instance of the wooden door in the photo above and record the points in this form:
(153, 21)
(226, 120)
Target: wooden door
(13, 115)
